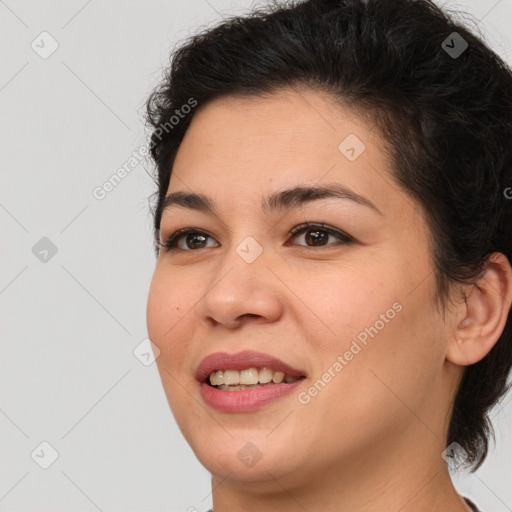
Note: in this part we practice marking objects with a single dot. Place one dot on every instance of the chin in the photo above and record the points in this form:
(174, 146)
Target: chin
(247, 456)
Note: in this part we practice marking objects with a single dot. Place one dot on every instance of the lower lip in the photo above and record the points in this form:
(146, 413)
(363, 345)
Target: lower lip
(245, 400)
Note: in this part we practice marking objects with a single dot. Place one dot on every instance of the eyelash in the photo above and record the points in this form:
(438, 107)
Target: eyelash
(169, 244)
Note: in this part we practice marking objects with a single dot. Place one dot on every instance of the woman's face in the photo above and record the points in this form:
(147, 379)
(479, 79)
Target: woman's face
(355, 319)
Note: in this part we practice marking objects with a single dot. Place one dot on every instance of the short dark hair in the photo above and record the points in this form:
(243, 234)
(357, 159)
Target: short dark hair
(446, 119)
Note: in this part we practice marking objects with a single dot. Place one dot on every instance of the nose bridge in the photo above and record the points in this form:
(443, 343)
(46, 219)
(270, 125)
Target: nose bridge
(242, 285)
(241, 268)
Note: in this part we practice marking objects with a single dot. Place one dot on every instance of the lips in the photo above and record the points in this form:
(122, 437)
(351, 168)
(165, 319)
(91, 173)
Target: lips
(242, 361)
(252, 398)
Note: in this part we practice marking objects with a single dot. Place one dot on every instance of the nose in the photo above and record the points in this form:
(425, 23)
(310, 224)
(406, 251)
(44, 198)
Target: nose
(241, 292)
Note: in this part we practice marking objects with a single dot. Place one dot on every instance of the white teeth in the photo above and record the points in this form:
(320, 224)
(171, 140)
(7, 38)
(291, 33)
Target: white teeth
(265, 375)
(248, 378)
(278, 377)
(232, 377)
(217, 378)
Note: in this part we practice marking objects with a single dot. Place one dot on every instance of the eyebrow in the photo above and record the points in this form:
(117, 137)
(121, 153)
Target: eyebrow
(275, 202)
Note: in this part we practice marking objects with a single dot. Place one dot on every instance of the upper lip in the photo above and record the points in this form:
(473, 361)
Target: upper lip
(241, 361)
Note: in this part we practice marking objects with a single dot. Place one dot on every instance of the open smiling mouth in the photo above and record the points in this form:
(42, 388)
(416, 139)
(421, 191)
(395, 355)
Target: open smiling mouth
(250, 378)
(257, 379)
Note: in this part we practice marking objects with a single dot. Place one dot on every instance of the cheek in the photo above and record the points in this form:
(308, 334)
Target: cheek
(167, 307)
(384, 334)
(399, 356)
(166, 316)
(342, 304)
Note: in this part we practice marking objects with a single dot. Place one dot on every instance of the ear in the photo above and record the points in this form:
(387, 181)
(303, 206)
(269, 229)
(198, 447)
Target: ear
(481, 319)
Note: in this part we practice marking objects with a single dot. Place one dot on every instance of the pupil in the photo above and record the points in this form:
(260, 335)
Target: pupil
(316, 238)
(192, 237)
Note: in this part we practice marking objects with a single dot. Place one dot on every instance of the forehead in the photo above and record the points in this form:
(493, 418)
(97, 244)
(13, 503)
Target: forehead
(242, 148)
(301, 128)
(285, 118)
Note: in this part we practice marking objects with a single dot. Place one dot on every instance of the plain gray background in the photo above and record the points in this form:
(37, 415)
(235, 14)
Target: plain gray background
(72, 320)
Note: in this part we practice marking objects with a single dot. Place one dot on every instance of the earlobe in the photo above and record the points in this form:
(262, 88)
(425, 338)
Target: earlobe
(483, 316)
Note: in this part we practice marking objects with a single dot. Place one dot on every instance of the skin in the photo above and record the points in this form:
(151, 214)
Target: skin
(372, 439)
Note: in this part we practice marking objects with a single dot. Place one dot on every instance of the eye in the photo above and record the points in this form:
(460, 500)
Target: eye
(190, 239)
(193, 239)
(318, 234)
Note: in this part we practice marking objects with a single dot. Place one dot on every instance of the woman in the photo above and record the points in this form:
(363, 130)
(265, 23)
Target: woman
(332, 290)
